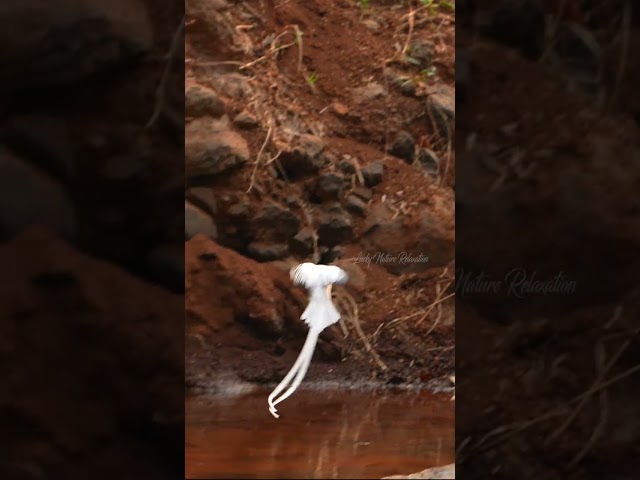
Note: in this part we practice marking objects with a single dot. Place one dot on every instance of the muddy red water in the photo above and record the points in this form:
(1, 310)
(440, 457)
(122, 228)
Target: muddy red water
(320, 434)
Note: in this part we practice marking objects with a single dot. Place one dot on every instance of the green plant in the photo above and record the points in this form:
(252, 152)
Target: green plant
(363, 4)
(313, 78)
(428, 72)
(434, 4)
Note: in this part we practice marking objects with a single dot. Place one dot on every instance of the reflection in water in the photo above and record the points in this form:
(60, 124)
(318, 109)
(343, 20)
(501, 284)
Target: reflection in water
(321, 434)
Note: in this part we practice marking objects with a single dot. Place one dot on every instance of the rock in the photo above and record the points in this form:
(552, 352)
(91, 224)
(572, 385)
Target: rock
(435, 473)
(263, 252)
(239, 211)
(62, 43)
(405, 83)
(124, 168)
(413, 245)
(245, 120)
(331, 255)
(196, 221)
(44, 140)
(429, 160)
(29, 197)
(302, 243)
(333, 207)
(371, 24)
(293, 201)
(580, 54)
(340, 109)
(303, 157)
(363, 193)
(334, 228)
(167, 263)
(203, 198)
(442, 104)
(212, 149)
(280, 221)
(233, 85)
(356, 205)
(347, 166)
(257, 294)
(407, 87)
(201, 101)
(368, 92)
(372, 173)
(404, 147)
(421, 53)
(328, 187)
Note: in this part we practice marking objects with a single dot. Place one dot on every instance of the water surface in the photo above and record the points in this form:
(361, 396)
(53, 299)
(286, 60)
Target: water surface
(320, 434)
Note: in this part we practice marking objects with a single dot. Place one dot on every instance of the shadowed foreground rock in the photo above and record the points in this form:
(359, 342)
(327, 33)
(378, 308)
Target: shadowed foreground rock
(446, 472)
(92, 362)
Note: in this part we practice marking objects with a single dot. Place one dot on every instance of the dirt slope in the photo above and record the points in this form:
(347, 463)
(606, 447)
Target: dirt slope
(333, 140)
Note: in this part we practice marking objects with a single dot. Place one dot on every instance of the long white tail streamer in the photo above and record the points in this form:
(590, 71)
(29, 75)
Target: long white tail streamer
(319, 314)
(299, 369)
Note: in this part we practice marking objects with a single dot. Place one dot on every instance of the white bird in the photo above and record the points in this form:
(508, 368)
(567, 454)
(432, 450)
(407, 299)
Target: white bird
(319, 314)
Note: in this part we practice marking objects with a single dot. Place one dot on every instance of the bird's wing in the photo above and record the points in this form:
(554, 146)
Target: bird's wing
(311, 275)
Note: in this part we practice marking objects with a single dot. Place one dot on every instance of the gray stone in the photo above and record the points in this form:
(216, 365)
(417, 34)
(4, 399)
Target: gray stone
(245, 120)
(29, 197)
(330, 255)
(302, 243)
(404, 147)
(408, 87)
(303, 157)
(45, 140)
(204, 198)
(356, 205)
(421, 53)
(373, 173)
(363, 193)
(282, 222)
(197, 221)
(201, 101)
(347, 167)
(64, 42)
(239, 211)
(334, 228)
(429, 160)
(442, 104)
(328, 187)
(263, 252)
(212, 150)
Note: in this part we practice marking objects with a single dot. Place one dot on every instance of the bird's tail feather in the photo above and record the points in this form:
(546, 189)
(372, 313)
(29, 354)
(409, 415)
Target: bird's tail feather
(299, 369)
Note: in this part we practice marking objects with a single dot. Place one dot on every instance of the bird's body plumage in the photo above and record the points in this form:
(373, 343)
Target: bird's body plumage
(319, 314)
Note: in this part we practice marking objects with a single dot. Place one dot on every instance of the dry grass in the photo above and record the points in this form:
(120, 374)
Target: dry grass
(571, 408)
(350, 307)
